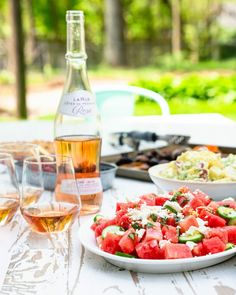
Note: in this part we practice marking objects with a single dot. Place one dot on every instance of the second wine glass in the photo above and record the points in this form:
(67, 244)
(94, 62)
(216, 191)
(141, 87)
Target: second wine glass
(9, 190)
(50, 199)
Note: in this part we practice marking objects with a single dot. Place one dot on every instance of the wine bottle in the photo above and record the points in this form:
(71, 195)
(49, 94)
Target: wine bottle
(77, 122)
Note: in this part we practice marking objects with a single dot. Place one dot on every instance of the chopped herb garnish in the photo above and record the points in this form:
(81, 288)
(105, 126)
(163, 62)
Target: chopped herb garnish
(163, 220)
(171, 209)
(184, 201)
(175, 195)
(136, 226)
(131, 236)
(177, 218)
(153, 217)
(149, 224)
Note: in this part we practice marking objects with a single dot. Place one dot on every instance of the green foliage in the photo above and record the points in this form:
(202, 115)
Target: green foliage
(193, 86)
(146, 19)
(147, 22)
(6, 77)
(190, 106)
(190, 94)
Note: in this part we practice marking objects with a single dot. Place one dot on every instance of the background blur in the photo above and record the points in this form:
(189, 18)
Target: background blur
(183, 49)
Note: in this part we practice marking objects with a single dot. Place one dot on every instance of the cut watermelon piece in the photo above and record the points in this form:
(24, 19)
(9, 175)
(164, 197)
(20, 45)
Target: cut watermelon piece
(187, 222)
(128, 241)
(219, 232)
(202, 196)
(160, 201)
(149, 250)
(154, 233)
(176, 251)
(228, 203)
(198, 250)
(110, 243)
(231, 230)
(125, 206)
(213, 245)
(124, 221)
(170, 233)
(212, 219)
(187, 210)
(212, 206)
(195, 203)
(148, 199)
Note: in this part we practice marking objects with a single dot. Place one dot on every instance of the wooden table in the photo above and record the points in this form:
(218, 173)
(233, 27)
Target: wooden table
(34, 264)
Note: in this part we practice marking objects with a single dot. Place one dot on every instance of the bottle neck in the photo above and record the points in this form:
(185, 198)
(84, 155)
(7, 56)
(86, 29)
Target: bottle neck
(76, 77)
(76, 74)
(75, 35)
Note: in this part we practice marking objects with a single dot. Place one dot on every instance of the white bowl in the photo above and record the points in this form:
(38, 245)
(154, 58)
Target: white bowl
(215, 190)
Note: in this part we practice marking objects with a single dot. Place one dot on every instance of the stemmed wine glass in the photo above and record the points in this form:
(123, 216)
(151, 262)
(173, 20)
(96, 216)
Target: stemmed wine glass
(19, 151)
(9, 190)
(50, 199)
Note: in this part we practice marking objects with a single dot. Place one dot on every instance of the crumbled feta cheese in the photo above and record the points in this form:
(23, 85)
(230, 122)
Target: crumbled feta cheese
(174, 205)
(120, 232)
(189, 196)
(180, 215)
(163, 214)
(201, 222)
(144, 212)
(144, 221)
(199, 191)
(191, 245)
(140, 232)
(202, 229)
(165, 195)
(132, 199)
(162, 243)
(191, 231)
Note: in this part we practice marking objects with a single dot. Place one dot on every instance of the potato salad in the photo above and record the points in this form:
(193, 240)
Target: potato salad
(202, 166)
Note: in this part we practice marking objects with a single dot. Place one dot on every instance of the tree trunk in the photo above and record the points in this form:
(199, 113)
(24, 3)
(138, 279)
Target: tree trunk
(176, 28)
(32, 42)
(114, 39)
(19, 61)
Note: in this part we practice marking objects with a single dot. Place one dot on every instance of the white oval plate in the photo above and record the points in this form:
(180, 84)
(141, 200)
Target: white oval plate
(87, 239)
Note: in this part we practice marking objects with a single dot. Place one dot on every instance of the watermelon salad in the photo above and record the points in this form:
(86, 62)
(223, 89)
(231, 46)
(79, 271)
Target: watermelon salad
(179, 224)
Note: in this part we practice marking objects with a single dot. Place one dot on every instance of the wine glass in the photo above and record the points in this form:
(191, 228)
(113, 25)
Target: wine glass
(9, 190)
(50, 199)
(19, 151)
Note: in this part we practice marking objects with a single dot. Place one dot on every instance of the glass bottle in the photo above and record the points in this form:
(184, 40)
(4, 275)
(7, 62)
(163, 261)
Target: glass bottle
(77, 122)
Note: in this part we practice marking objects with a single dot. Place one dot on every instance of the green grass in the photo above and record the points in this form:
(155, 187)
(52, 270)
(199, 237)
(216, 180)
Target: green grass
(166, 65)
(7, 119)
(190, 106)
(178, 107)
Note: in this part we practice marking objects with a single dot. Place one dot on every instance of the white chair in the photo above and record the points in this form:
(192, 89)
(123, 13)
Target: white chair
(119, 101)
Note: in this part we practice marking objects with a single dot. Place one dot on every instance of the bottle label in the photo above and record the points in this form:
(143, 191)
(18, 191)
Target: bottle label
(89, 186)
(68, 186)
(79, 103)
(85, 186)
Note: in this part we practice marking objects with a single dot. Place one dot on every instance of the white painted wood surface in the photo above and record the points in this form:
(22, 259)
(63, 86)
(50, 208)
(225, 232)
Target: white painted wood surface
(35, 264)
(203, 128)
(38, 265)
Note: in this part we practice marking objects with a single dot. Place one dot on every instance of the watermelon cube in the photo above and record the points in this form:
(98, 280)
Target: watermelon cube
(213, 245)
(110, 243)
(187, 222)
(154, 233)
(149, 250)
(231, 230)
(175, 251)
